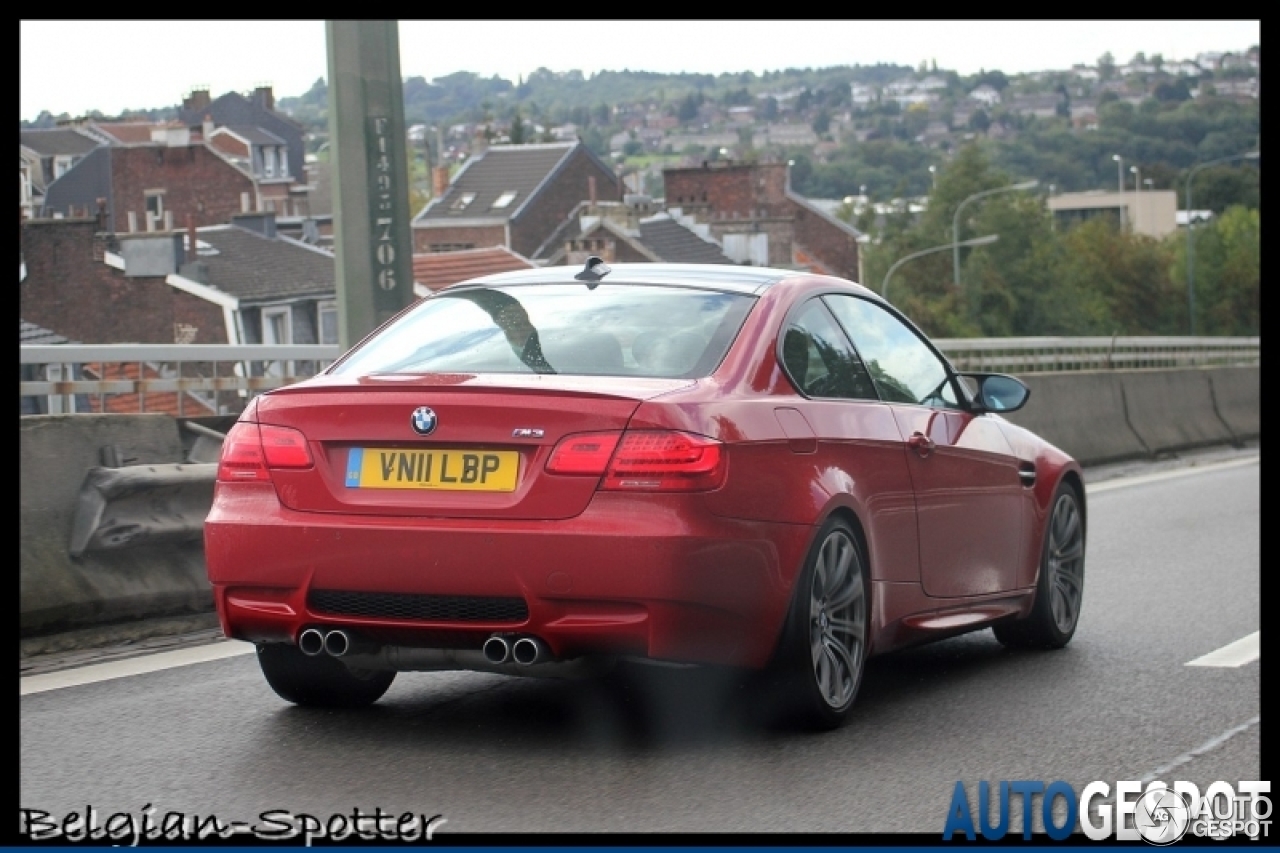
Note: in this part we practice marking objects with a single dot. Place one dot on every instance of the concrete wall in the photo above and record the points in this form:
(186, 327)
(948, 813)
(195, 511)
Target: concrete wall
(1097, 417)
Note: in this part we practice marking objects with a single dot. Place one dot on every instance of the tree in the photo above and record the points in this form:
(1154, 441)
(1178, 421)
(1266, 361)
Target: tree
(822, 122)
(1106, 66)
(517, 133)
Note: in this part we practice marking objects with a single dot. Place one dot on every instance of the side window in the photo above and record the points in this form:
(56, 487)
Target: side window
(903, 368)
(819, 359)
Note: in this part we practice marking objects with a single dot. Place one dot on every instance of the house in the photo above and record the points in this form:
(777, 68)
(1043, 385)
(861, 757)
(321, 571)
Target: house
(513, 196)
(986, 95)
(238, 283)
(255, 110)
(44, 156)
(751, 210)
(434, 270)
(263, 155)
(635, 230)
(158, 176)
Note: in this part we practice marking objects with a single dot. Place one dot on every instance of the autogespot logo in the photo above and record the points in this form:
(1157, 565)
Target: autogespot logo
(1161, 816)
(423, 420)
(1157, 813)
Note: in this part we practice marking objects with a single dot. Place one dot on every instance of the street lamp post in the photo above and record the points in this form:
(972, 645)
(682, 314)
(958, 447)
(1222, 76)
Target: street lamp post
(1137, 178)
(1191, 266)
(976, 241)
(955, 220)
(1120, 183)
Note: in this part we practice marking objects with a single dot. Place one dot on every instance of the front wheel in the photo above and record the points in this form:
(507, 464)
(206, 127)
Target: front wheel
(320, 681)
(1060, 586)
(825, 646)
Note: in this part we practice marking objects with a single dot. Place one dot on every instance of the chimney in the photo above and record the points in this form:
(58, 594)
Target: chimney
(265, 98)
(198, 99)
(439, 181)
(591, 191)
(206, 128)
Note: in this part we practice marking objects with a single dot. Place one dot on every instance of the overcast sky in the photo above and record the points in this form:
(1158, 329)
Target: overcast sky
(111, 66)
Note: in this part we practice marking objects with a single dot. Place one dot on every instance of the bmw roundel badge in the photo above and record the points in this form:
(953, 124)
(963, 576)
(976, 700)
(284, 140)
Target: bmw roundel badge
(423, 420)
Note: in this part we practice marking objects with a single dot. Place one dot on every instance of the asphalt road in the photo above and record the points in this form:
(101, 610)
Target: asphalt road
(1172, 574)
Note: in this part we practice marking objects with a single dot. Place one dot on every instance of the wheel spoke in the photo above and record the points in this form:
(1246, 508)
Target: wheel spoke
(850, 594)
(852, 626)
(845, 671)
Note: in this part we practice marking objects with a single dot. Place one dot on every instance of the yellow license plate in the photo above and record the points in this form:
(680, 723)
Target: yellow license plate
(437, 468)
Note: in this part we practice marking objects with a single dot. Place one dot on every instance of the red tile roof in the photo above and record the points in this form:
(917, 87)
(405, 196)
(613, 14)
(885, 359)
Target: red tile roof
(157, 401)
(127, 132)
(434, 270)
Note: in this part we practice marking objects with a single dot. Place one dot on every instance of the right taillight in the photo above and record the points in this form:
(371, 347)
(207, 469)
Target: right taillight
(643, 460)
(250, 449)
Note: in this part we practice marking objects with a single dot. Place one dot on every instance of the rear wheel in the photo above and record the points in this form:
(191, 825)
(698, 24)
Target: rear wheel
(825, 646)
(1060, 587)
(320, 681)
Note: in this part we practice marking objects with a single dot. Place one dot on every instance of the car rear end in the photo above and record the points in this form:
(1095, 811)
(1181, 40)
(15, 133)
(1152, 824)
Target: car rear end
(448, 483)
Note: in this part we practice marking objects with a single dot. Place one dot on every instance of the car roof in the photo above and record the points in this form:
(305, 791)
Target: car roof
(724, 277)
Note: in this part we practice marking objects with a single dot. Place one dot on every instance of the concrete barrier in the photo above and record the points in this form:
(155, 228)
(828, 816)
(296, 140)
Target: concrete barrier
(60, 592)
(1237, 394)
(1173, 409)
(1082, 413)
(100, 573)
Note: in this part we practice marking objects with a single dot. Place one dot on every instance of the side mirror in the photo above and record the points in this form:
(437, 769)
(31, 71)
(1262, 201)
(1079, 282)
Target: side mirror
(997, 392)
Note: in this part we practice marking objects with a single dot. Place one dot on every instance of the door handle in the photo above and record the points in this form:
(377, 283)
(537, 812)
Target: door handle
(921, 443)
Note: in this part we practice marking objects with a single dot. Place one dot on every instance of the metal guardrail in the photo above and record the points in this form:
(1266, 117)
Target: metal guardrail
(212, 379)
(181, 379)
(1058, 354)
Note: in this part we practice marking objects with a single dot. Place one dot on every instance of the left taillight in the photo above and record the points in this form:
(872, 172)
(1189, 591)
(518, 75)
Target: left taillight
(250, 450)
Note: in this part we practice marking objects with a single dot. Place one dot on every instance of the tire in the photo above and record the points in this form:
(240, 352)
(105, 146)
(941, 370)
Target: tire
(1060, 582)
(824, 647)
(320, 681)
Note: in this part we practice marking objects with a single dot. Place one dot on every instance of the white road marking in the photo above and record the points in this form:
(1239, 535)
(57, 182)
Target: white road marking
(133, 666)
(1121, 482)
(1242, 651)
(1206, 747)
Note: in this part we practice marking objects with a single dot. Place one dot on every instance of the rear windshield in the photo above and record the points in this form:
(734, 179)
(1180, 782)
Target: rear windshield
(611, 330)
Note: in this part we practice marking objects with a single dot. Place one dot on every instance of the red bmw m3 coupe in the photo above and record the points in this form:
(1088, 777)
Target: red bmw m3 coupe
(546, 471)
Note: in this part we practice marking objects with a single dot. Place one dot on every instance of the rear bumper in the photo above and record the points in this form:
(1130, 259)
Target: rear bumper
(657, 576)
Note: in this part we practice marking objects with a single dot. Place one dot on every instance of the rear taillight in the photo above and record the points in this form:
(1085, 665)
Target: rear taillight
(643, 460)
(250, 449)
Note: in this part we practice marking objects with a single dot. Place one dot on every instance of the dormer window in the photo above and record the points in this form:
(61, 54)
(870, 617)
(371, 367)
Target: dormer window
(462, 202)
(504, 200)
(269, 162)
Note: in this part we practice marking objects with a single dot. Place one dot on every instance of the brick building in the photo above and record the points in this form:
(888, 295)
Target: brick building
(75, 283)
(167, 181)
(752, 212)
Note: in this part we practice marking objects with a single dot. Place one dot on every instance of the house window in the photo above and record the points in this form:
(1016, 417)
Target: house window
(155, 206)
(504, 200)
(282, 161)
(328, 322)
(269, 162)
(277, 329)
(61, 164)
(275, 326)
(462, 202)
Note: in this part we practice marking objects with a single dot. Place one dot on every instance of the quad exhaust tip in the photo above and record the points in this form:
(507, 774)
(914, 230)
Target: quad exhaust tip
(529, 650)
(311, 642)
(497, 649)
